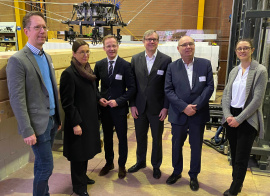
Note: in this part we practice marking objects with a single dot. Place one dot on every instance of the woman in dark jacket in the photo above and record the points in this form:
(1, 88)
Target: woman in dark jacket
(81, 127)
(242, 109)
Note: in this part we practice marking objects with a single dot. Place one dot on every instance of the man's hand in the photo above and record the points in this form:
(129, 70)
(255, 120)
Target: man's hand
(103, 102)
(31, 140)
(233, 122)
(189, 110)
(163, 114)
(112, 103)
(59, 127)
(77, 130)
(134, 112)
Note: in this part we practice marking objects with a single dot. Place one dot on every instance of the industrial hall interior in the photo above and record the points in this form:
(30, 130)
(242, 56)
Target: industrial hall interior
(124, 97)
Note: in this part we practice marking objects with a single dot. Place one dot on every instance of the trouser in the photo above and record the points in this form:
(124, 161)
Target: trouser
(43, 165)
(141, 129)
(78, 176)
(241, 140)
(110, 120)
(180, 132)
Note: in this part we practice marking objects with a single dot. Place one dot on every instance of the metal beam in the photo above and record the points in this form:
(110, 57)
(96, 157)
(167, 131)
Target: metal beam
(200, 14)
(19, 14)
(257, 14)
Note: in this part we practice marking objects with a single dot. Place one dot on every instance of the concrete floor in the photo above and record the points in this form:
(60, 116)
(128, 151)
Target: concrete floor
(214, 179)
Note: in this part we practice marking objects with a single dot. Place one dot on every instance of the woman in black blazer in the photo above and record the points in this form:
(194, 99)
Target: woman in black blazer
(242, 109)
(81, 127)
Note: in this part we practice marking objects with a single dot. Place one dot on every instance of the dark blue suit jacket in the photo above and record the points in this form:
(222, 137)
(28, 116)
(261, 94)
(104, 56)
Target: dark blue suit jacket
(179, 93)
(122, 87)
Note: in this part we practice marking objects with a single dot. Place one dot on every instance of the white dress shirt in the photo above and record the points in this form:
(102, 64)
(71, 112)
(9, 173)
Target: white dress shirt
(239, 88)
(189, 68)
(150, 61)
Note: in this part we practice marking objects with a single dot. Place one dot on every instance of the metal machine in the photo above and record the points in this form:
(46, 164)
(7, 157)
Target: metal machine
(100, 15)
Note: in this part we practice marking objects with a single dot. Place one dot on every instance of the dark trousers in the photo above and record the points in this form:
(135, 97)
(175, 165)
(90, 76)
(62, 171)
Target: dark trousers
(109, 119)
(241, 140)
(78, 175)
(141, 129)
(179, 135)
(43, 165)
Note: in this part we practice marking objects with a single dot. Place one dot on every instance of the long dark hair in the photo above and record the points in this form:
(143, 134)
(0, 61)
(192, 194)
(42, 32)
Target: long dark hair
(77, 44)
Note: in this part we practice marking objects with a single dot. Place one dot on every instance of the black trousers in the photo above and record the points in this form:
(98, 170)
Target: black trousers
(109, 119)
(241, 140)
(179, 135)
(141, 129)
(78, 175)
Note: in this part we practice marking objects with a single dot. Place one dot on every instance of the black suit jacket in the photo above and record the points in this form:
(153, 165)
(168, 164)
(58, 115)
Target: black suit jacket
(179, 93)
(121, 88)
(150, 88)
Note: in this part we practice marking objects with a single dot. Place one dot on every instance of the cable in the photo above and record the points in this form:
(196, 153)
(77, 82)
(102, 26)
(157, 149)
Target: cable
(139, 12)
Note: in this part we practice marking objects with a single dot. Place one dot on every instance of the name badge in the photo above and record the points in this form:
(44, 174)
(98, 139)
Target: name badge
(118, 77)
(202, 78)
(160, 72)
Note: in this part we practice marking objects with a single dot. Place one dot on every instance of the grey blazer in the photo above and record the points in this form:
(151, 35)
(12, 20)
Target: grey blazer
(28, 95)
(255, 90)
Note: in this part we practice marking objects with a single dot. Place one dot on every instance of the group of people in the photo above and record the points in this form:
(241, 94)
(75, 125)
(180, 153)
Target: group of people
(151, 85)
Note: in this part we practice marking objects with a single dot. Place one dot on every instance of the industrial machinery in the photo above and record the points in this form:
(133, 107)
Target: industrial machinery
(251, 19)
(100, 15)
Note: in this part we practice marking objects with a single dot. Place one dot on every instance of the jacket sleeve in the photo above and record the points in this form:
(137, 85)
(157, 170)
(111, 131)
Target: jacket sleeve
(166, 101)
(132, 99)
(17, 95)
(96, 72)
(67, 91)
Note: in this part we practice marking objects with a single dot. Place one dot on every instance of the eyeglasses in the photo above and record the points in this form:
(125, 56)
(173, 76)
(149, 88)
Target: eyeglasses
(150, 40)
(187, 44)
(111, 46)
(244, 49)
(82, 53)
(38, 28)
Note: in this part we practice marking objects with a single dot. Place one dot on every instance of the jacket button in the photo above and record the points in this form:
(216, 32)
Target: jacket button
(47, 96)
(48, 108)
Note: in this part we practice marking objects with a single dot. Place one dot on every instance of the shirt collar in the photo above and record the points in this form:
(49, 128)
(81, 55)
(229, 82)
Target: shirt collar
(154, 55)
(114, 60)
(189, 63)
(240, 67)
(33, 49)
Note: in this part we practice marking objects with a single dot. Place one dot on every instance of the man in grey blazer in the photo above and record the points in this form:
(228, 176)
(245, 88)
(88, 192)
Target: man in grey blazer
(149, 105)
(34, 98)
(188, 87)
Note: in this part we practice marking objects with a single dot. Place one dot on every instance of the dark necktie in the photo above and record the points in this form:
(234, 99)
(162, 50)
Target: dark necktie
(111, 70)
(41, 52)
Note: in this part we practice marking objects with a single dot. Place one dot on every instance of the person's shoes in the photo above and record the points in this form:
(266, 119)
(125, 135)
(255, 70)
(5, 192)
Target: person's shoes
(156, 173)
(194, 184)
(137, 167)
(105, 170)
(227, 193)
(83, 193)
(90, 181)
(173, 178)
(122, 172)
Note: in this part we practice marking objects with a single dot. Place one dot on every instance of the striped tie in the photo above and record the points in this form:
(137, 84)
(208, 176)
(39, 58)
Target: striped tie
(111, 71)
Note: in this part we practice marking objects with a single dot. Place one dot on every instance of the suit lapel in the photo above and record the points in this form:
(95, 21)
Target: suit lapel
(143, 64)
(116, 66)
(184, 74)
(156, 64)
(32, 59)
(195, 71)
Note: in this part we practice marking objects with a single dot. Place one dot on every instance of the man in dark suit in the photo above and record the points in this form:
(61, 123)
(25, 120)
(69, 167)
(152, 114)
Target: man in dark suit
(149, 105)
(189, 86)
(34, 98)
(117, 87)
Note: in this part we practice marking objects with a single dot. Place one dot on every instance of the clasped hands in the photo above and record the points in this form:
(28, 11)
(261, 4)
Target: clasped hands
(112, 103)
(190, 110)
(232, 122)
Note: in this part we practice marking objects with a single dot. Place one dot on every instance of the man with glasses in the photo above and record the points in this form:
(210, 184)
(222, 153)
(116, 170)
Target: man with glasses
(117, 87)
(149, 105)
(188, 86)
(34, 98)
